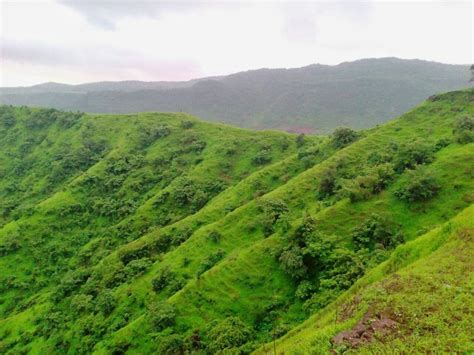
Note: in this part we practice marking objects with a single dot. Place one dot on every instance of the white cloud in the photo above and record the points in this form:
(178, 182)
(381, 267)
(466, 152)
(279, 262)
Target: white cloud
(112, 40)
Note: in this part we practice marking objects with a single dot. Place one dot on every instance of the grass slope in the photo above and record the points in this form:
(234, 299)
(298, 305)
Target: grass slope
(152, 245)
(426, 289)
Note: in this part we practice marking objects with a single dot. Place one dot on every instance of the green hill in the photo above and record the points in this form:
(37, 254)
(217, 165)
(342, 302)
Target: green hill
(316, 98)
(162, 233)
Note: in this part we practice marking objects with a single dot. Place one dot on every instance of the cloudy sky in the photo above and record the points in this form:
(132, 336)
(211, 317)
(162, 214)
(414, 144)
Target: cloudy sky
(77, 41)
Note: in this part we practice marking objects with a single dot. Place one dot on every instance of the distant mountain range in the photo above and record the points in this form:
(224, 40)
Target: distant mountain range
(316, 98)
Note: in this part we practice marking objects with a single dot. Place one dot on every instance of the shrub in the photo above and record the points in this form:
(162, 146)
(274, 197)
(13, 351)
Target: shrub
(300, 140)
(413, 154)
(273, 210)
(215, 236)
(464, 130)
(305, 290)
(106, 302)
(418, 185)
(161, 315)
(210, 261)
(162, 279)
(187, 124)
(292, 263)
(327, 183)
(263, 157)
(7, 120)
(343, 136)
(137, 267)
(377, 230)
(228, 334)
(170, 344)
(81, 303)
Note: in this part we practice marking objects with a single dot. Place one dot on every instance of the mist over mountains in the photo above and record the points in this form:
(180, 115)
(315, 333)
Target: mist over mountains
(312, 99)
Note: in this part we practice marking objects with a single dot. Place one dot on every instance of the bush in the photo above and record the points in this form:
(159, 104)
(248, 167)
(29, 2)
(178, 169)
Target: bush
(413, 154)
(81, 303)
(137, 267)
(7, 120)
(377, 230)
(343, 136)
(106, 302)
(300, 140)
(161, 315)
(327, 183)
(292, 263)
(170, 344)
(215, 236)
(464, 130)
(305, 290)
(163, 278)
(273, 211)
(187, 124)
(229, 334)
(261, 158)
(210, 261)
(418, 185)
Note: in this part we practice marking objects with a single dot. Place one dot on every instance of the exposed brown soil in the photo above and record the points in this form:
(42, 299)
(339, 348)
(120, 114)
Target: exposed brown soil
(369, 327)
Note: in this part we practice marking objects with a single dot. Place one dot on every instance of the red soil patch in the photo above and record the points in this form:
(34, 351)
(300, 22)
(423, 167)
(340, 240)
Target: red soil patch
(367, 329)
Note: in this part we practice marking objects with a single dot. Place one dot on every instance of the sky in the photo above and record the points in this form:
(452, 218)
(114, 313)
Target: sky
(74, 41)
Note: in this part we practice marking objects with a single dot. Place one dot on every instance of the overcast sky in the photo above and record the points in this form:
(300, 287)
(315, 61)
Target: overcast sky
(75, 41)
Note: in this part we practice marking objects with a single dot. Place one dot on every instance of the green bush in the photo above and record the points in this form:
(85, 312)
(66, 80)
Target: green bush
(7, 120)
(210, 261)
(343, 136)
(263, 157)
(418, 185)
(305, 290)
(187, 124)
(413, 154)
(163, 278)
(229, 335)
(464, 130)
(106, 302)
(215, 236)
(377, 230)
(327, 183)
(161, 315)
(292, 262)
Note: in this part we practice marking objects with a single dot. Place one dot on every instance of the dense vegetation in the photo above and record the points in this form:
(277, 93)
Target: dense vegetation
(162, 233)
(317, 98)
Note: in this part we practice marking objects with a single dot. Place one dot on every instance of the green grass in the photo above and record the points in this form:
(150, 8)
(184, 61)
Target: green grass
(103, 208)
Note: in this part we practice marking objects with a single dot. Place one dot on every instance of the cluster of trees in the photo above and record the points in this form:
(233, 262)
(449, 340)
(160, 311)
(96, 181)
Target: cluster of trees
(322, 266)
(383, 169)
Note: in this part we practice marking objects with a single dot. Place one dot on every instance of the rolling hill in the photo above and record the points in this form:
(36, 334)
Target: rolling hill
(316, 98)
(162, 233)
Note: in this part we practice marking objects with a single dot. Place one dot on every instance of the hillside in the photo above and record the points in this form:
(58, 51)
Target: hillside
(161, 233)
(316, 98)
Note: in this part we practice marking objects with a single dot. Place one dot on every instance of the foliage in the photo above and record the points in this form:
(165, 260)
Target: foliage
(464, 130)
(418, 185)
(229, 334)
(161, 315)
(343, 136)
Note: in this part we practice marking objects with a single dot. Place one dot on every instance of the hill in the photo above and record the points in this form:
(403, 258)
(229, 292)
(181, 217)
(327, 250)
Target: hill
(160, 233)
(316, 98)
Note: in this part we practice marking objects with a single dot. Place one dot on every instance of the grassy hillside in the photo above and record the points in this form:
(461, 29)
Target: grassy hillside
(419, 300)
(316, 98)
(161, 233)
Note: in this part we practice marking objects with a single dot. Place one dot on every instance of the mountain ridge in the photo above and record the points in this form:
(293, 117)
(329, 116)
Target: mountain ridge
(359, 94)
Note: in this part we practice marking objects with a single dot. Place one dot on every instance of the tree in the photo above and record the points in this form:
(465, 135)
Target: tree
(228, 334)
(162, 279)
(343, 136)
(413, 154)
(419, 185)
(464, 130)
(161, 315)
